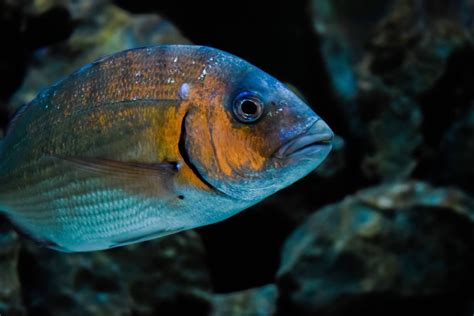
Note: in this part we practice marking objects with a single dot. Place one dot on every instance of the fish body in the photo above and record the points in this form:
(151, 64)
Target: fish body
(151, 141)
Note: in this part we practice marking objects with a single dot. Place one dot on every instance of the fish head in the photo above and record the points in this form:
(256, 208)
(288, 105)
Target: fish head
(249, 135)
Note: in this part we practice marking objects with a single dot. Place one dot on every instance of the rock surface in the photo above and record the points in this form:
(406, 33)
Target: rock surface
(163, 276)
(388, 62)
(256, 302)
(387, 245)
(10, 287)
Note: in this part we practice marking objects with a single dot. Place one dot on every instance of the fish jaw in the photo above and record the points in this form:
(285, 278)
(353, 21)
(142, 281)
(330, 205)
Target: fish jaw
(297, 157)
(292, 161)
(314, 143)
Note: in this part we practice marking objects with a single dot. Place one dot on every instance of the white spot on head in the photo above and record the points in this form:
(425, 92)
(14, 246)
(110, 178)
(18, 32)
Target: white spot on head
(175, 59)
(184, 91)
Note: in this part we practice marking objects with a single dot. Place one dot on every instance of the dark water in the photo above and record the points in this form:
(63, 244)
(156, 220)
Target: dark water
(385, 226)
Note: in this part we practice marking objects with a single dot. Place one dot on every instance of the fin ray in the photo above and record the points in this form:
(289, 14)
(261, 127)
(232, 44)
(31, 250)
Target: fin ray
(150, 179)
(109, 166)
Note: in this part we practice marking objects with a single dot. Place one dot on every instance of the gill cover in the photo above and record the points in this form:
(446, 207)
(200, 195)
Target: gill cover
(233, 152)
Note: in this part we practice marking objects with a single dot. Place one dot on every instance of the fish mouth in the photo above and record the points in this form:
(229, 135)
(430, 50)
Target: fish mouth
(308, 143)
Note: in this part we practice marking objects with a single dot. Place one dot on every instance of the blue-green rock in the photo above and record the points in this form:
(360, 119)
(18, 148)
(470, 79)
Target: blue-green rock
(390, 244)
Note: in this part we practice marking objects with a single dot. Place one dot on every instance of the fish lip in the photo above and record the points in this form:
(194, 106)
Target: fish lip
(308, 141)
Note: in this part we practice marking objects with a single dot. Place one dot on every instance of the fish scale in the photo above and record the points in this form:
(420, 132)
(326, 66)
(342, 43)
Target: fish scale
(108, 202)
(36, 168)
(99, 221)
(59, 181)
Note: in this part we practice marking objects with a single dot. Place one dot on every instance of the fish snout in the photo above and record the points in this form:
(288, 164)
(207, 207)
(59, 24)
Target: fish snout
(312, 142)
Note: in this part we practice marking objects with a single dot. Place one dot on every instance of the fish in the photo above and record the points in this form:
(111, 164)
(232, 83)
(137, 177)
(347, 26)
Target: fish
(149, 142)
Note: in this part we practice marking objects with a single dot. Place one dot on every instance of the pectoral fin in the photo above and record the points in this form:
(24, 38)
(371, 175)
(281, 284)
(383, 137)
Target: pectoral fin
(114, 167)
(138, 178)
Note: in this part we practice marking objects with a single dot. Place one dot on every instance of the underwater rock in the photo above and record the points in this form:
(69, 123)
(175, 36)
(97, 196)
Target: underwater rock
(381, 250)
(10, 288)
(78, 9)
(102, 29)
(157, 277)
(393, 135)
(411, 45)
(448, 110)
(343, 28)
(382, 58)
(257, 302)
(403, 42)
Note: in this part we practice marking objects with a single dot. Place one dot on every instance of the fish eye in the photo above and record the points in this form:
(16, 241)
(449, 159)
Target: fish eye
(248, 107)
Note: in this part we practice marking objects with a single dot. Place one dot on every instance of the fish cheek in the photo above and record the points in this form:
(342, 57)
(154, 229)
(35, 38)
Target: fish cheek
(241, 150)
(222, 149)
(219, 150)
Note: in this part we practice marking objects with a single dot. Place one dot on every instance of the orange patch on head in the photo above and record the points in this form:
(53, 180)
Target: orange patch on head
(223, 147)
(236, 148)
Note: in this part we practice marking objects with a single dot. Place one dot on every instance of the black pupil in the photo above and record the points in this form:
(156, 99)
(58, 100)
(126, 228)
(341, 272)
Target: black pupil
(249, 107)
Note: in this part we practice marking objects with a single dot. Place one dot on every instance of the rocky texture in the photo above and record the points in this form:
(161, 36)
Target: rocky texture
(385, 247)
(101, 29)
(410, 46)
(405, 43)
(387, 61)
(393, 133)
(10, 288)
(256, 302)
(160, 277)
